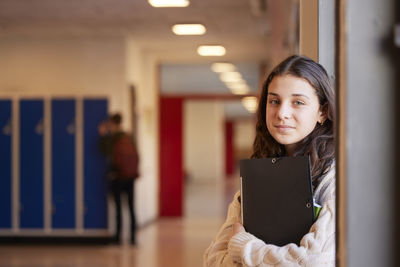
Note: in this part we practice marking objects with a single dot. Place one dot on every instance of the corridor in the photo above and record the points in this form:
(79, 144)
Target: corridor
(186, 76)
(168, 242)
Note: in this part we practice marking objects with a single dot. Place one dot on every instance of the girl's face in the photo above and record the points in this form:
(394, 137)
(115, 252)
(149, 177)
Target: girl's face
(292, 111)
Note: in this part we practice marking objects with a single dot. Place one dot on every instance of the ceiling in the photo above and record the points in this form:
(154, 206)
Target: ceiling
(254, 32)
(200, 79)
(251, 30)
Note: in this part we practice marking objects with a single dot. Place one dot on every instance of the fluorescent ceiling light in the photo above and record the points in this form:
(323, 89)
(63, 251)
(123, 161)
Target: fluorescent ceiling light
(223, 67)
(250, 103)
(239, 91)
(189, 29)
(211, 50)
(238, 88)
(240, 83)
(231, 77)
(169, 3)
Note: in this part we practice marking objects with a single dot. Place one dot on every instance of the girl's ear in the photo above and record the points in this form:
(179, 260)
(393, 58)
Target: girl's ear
(323, 113)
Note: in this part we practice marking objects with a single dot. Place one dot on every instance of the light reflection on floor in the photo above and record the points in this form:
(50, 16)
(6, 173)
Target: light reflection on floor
(168, 242)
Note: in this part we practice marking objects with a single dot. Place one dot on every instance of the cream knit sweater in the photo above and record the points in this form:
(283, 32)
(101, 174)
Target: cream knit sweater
(317, 247)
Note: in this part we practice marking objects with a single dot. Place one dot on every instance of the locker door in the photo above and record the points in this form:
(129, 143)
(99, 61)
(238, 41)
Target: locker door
(31, 163)
(5, 163)
(95, 166)
(63, 163)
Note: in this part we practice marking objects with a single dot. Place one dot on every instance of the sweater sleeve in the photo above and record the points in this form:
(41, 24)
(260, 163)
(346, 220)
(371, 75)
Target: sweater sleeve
(317, 247)
(217, 253)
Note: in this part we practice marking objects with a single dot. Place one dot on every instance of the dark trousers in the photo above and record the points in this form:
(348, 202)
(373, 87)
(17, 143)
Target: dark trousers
(119, 188)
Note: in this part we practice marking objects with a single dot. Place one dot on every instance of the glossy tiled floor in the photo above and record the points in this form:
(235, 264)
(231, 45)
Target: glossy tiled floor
(167, 242)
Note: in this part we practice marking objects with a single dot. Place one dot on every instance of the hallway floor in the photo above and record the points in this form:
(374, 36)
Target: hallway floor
(167, 242)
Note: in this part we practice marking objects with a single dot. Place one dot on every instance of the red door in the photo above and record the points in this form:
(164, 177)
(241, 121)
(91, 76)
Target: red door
(171, 156)
(229, 153)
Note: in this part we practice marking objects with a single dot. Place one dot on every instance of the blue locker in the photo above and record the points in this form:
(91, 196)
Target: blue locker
(31, 163)
(95, 166)
(63, 163)
(5, 163)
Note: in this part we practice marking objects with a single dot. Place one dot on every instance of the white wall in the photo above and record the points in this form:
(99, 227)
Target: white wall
(102, 66)
(204, 156)
(67, 67)
(142, 73)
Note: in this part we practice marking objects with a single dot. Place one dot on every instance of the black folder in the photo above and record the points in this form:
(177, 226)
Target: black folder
(276, 198)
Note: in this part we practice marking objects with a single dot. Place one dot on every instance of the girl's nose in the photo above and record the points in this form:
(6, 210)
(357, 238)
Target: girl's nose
(284, 112)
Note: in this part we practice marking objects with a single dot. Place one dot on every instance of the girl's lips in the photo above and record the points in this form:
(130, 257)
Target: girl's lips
(284, 128)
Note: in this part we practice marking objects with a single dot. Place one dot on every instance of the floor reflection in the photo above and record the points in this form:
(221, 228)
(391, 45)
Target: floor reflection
(167, 242)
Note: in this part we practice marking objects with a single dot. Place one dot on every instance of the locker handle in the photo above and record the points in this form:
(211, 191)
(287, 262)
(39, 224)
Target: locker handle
(39, 127)
(7, 128)
(71, 128)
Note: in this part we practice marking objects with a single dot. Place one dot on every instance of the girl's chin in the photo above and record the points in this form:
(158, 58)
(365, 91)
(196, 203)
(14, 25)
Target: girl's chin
(283, 140)
(288, 143)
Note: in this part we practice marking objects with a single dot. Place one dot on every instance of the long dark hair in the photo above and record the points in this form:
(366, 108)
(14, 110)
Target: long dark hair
(319, 144)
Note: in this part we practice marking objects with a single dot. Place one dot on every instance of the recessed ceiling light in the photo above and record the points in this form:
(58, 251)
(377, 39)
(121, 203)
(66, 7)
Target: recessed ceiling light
(211, 50)
(189, 29)
(236, 84)
(239, 91)
(222, 67)
(250, 103)
(238, 88)
(169, 3)
(231, 77)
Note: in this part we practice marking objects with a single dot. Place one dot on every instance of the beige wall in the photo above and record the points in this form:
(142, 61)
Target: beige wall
(204, 140)
(244, 133)
(67, 67)
(141, 71)
(308, 42)
(103, 66)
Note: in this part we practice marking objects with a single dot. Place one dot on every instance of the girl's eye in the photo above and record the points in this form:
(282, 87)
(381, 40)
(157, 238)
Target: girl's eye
(299, 103)
(274, 101)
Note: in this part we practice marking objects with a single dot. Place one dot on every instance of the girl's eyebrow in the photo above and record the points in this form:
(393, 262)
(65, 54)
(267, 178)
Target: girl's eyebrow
(275, 94)
(300, 95)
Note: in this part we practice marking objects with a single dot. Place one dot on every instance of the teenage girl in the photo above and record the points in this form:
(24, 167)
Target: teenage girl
(296, 115)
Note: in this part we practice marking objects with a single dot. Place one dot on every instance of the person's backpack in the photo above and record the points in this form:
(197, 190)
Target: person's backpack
(125, 158)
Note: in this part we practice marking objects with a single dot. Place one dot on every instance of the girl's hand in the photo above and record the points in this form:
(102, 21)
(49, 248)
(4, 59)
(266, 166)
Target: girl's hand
(237, 227)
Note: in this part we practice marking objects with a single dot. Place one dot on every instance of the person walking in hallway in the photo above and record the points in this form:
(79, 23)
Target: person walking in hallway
(123, 162)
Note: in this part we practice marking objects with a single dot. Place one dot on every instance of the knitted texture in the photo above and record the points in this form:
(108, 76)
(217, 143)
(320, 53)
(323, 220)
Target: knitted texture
(317, 247)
